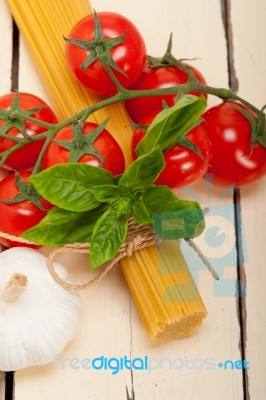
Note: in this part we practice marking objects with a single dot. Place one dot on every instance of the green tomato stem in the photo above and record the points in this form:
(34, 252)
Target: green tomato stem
(37, 166)
(122, 95)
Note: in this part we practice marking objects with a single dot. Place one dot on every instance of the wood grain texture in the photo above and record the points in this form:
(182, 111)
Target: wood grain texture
(250, 63)
(6, 47)
(5, 82)
(2, 385)
(104, 306)
(110, 325)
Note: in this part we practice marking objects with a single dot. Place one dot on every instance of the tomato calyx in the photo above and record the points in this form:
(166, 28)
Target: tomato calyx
(14, 118)
(257, 124)
(99, 48)
(168, 60)
(258, 130)
(185, 142)
(26, 193)
(82, 143)
(261, 128)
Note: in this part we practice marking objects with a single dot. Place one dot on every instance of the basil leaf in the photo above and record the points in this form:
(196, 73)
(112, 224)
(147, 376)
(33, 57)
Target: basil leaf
(108, 235)
(160, 198)
(105, 193)
(143, 172)
(140, 213)
(171, 123)
(173, 218)
(184, 223)
(60, 227)
(68, 185)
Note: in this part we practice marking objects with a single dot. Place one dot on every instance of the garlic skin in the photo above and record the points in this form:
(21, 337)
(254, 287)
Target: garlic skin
(38, 322)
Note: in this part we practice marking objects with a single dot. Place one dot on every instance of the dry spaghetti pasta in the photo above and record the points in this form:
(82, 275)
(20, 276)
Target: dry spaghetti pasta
(158, 276)
(164, 291)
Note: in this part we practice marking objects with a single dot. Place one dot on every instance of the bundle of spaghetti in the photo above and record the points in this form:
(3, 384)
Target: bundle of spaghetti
(164, 291)
(166, 297)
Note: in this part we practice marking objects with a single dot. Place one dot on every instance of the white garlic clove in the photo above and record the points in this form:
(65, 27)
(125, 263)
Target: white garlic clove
(43, 318)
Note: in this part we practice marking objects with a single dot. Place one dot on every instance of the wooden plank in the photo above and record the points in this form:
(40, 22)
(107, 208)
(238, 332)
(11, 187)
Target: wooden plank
(193, 37)
(5, 82)
(105, 323)
(204, 38)
(6, 51)
(104, 330)
(218, 338)
(110, 325)
(2, 385)
(6, 48)
(250, 64)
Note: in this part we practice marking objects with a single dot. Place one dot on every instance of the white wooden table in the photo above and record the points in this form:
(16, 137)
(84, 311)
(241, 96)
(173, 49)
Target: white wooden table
(228, 39)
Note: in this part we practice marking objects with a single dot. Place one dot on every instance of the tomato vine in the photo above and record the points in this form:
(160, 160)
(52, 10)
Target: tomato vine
(81, 192)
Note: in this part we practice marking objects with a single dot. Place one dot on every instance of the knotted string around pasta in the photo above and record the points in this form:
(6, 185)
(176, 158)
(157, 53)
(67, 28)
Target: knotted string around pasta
(138, 237)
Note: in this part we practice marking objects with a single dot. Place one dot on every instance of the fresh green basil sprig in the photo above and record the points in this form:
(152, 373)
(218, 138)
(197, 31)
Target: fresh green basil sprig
(92, 205)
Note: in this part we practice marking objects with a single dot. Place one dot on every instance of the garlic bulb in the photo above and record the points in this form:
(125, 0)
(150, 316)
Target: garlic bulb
(37, 316)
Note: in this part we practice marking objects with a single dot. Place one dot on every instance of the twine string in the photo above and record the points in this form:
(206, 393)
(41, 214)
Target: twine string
(138, 237)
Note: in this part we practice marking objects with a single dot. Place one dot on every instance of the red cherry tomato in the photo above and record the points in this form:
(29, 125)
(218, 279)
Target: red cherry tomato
(129, 56)
(183, 167)
(105, 144)
(158, 78)
(18, 217)
(25, 157)
(234, 162)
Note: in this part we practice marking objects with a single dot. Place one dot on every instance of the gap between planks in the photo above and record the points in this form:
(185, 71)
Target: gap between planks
(241, 276)
(15, 58)
(7, 379)
(131, 396)
(2, 385)
(6, 385)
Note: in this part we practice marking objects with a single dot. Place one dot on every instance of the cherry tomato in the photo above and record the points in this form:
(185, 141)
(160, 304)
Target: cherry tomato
(183, 167)
(25, 157)
(158, 78)
(234, 162)
(18, 217)
(129, 56)
(105, 144)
